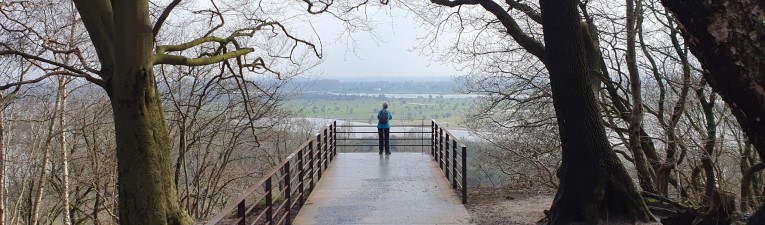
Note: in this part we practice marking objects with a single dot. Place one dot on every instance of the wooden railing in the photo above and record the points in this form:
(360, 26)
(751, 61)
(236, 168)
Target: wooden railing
(295, 178)
(347, 138)
(297, 175)
(444, 149)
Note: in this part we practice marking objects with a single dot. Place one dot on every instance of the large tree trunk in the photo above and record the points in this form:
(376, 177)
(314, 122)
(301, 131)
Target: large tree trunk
(594, 186)
(146, 191)
(727, 38)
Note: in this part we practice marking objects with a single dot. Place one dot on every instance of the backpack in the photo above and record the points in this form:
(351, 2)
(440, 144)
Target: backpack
(384, 117)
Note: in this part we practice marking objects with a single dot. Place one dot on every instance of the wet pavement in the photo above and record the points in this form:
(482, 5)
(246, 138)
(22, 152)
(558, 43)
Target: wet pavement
(366, 188)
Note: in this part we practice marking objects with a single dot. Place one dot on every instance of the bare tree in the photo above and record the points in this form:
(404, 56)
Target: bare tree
(726, 40)
(122, 37)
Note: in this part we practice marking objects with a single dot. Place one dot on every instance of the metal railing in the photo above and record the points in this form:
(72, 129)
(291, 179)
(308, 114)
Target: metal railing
(446, 149)
(265, 204)
(347, 136)
(440, 150)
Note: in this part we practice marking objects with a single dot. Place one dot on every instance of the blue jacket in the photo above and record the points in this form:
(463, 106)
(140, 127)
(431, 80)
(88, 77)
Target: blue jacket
(379, 116)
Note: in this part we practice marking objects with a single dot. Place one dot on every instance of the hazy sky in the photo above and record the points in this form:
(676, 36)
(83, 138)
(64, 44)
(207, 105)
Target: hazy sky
(390, 53)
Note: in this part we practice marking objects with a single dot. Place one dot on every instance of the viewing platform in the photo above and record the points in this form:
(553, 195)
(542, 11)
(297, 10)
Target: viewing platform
(367, 188)
(316, 185)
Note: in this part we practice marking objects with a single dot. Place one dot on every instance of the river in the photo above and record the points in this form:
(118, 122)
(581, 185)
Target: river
(407, 95)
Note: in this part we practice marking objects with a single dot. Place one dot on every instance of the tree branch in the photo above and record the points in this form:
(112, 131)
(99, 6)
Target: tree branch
(526, 9)
(98, 20)
(455, 2)
(162, 58)
(528, 43)
(43, 77)
(72, 71)
(247, 32)
(322, 9)
(180, 60)
(625, 155)
(163, 17)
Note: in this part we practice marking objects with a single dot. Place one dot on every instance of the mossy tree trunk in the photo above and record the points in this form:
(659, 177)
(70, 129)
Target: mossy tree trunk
(123, 38)
(594, 185)
(147, 195)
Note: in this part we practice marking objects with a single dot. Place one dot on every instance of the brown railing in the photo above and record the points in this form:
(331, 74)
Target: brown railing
(450, 153)
(444, 147)
(347, 138)
(265, 204)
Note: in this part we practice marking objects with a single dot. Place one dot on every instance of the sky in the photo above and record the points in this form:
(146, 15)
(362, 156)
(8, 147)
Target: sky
(389, 52)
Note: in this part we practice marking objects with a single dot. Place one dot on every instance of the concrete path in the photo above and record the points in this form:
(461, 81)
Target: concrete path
(366, 188)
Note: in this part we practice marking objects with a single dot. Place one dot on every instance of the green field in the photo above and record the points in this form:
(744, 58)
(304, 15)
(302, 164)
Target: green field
(364, 109)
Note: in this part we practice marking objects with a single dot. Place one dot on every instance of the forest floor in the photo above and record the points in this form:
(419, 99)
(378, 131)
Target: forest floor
(508, 206)
(513, 206)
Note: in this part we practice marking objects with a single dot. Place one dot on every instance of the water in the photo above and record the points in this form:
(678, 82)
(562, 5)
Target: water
(407, 95)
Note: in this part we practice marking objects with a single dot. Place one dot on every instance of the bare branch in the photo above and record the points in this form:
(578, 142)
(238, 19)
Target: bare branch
(322, 9)
(72, 71)
(530, 12)
(180, 60)
(531, 45)
(76, 52)
(162, 58)
(97, 17)
(455, 3)
(46, 76)
(163, 16)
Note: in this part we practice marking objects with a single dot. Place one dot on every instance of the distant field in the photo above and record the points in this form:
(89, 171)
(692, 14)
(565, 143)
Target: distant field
(365, 109)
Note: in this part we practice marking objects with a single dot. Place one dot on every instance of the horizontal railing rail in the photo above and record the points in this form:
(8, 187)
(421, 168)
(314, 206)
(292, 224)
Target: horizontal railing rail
(295, 178)
(364, 141)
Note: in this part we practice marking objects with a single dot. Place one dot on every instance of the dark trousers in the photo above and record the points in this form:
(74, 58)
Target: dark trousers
(384, 134)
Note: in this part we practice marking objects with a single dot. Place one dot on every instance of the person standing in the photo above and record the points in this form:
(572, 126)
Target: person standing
(383, 128)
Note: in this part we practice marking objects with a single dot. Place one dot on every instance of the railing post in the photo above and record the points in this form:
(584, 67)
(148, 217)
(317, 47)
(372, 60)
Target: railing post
(328, 139)
(454, 164)
(334, 139)
(310, 164)
(433, 128)
(318, 149)
(438, 143)
(441, 148)
(327, 156)
(446, 156)
(240, 213)
(269, 203)
(464, 175)
(288, 191)
(301, 176)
